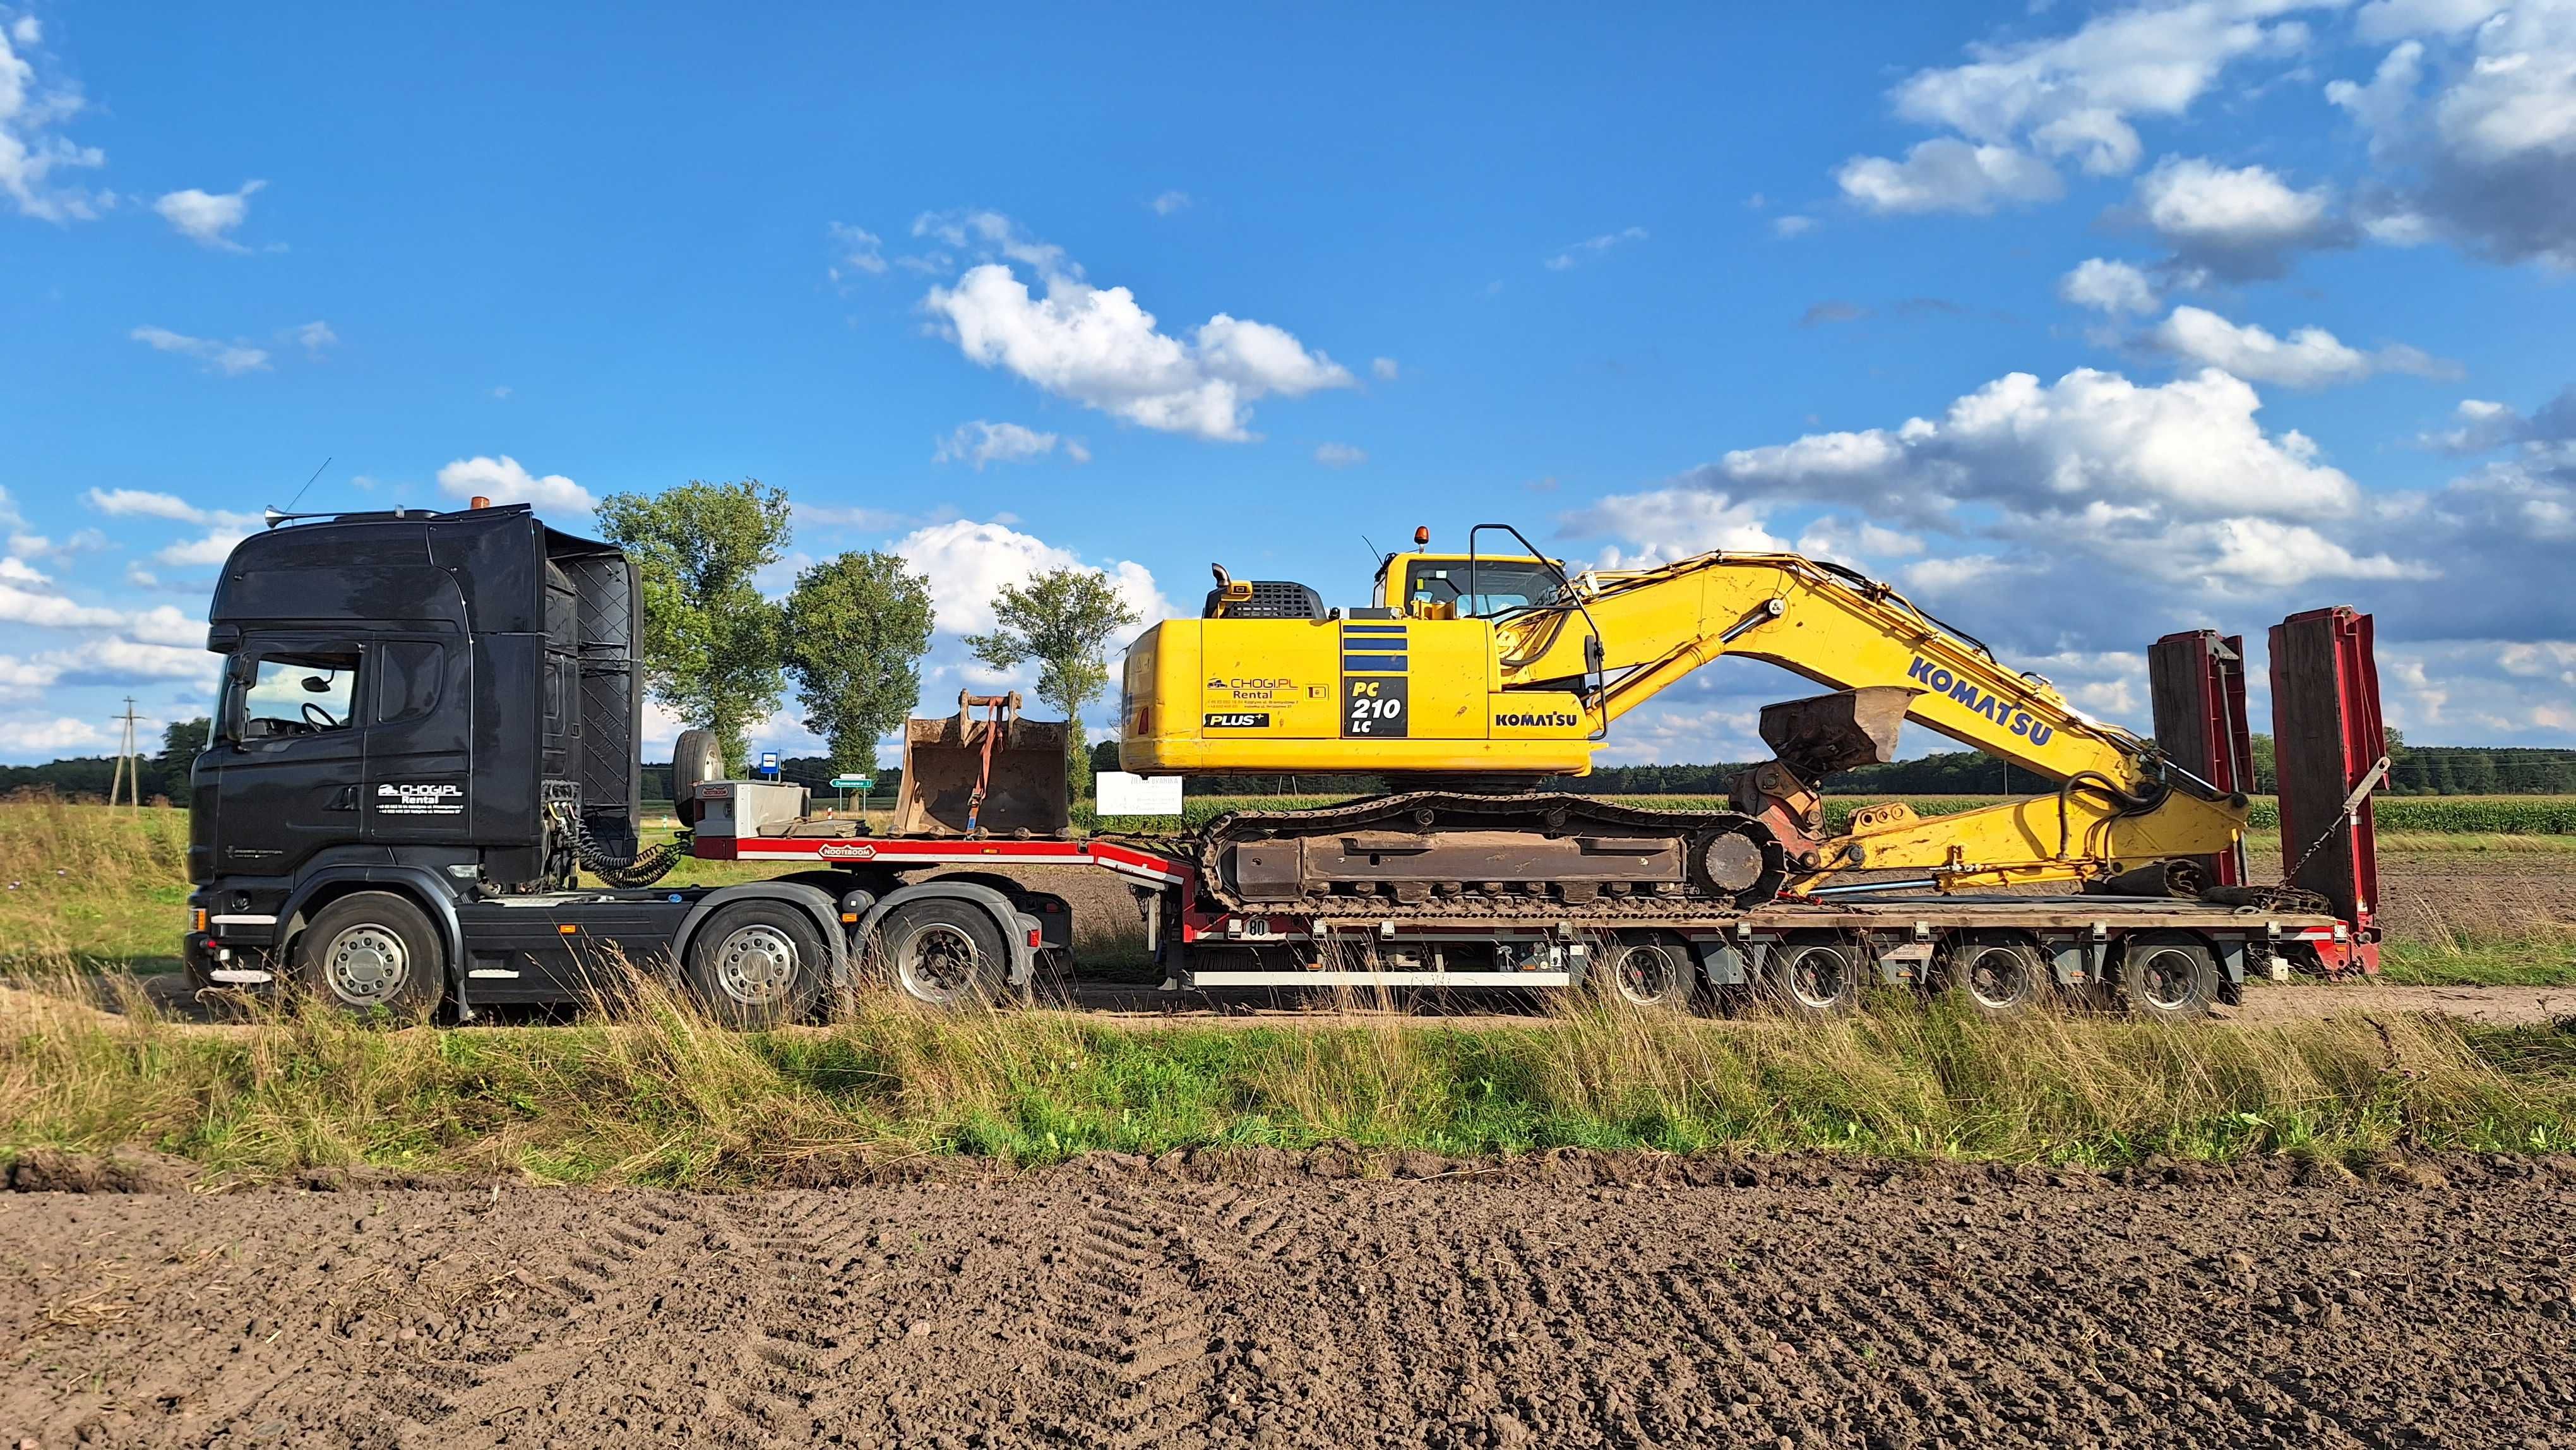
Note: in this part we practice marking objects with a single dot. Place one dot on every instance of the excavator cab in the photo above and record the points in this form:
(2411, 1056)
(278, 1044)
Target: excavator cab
(1425, 585)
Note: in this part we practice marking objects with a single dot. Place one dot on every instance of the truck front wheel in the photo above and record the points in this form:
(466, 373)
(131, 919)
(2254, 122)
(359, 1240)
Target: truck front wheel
(757, 964)
(370, 950)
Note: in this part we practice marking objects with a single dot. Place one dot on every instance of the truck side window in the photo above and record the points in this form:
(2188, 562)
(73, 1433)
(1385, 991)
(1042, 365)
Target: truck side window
(408, 674)
(303, 693)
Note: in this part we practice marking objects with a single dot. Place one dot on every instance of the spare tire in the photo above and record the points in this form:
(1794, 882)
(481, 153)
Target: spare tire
(695, 757)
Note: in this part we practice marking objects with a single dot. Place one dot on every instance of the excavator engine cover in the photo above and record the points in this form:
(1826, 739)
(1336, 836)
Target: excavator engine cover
(1826, 733)
(1028, 792)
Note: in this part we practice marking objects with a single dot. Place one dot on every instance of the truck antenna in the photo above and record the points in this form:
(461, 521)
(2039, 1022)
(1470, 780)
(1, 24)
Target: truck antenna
(1375, 558)
(275, 515)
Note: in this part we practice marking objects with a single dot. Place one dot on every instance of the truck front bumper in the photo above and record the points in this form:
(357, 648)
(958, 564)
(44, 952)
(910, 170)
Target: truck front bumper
(211, 963)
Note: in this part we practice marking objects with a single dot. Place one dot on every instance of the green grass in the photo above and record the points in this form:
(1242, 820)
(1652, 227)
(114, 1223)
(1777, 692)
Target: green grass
(659, 1096)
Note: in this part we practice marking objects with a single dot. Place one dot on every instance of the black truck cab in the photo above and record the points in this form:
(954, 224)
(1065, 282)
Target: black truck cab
(426, 720)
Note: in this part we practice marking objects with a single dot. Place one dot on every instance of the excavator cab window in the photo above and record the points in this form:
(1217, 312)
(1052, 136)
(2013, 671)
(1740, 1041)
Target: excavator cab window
(1498, 586)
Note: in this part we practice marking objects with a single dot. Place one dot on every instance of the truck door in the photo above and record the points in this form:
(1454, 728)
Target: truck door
(288, 759)
(419, 741)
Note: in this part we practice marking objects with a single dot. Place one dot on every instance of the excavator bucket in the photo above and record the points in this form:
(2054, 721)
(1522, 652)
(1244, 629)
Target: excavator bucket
(1826, 733)
(989, 775)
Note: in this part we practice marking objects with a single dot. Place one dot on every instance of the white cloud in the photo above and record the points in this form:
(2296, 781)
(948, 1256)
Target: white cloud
(2308, 358)
(31, 148)
(134, 503)
(2106, 286)
(2386, 20)
(1340, 455)
(2237, 222)
(2016, 107)
(1948, 174)
(23, 679)
(2091, 439)
(215, 547)
(28, 606)
(1792, 225)
(980, 443)
(117, 661)
(208, 218)
(1170, 202)
(1385, 369)
(315, 336)
(232, 359)
(858, 250)
(1671, 523)
(1592, 248)
(1096, 346)
(164, 624)
(502, 480)
(29, 735)
(2472, 125)
(967, 563)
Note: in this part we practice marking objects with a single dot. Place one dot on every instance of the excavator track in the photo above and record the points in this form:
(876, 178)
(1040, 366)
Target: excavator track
(1441, 854)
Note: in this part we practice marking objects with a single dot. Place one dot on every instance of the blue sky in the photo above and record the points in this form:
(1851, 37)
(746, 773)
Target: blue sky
(2203, 312)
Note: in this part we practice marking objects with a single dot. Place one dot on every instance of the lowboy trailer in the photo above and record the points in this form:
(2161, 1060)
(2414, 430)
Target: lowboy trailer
(427, 735)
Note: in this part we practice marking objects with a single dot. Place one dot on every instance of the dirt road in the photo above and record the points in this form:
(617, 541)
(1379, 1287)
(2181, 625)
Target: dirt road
(1574, 1301)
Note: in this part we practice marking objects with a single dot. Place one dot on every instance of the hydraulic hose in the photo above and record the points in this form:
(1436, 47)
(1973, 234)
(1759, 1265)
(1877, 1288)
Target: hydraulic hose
(642, 869)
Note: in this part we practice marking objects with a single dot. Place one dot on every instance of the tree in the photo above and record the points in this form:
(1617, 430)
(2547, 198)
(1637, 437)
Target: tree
(856, 629)
(182, 741)
(710, 640)
(1062, 619)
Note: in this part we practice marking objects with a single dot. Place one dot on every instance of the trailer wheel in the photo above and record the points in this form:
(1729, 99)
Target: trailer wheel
(370, 950)
(1650, 969)
(1813, 978)
(2166, 976)
(944, 952)
(757, 963)
(1997, 974)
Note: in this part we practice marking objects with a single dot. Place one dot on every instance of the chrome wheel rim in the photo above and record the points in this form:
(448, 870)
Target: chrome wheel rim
(756, 965)
(1645, 975)
(365, 965)
(1999, 977)
(1818, 976)
(939, 963)
(2166, 977)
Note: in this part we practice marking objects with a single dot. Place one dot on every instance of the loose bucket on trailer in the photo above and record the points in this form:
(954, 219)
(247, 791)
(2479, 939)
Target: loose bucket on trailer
(993, 774)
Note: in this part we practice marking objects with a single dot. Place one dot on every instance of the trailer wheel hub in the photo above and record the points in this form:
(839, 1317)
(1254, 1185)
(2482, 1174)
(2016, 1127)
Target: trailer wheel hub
(756, 965)
(366, 964)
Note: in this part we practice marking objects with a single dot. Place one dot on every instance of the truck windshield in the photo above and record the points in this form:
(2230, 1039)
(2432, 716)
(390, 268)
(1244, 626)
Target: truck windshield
(303, 693)
(1499, 584)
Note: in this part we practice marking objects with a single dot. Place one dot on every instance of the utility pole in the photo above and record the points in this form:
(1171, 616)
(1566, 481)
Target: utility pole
(129, 764)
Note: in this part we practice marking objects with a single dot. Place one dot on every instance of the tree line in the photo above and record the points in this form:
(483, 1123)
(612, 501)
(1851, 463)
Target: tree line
(849, 635)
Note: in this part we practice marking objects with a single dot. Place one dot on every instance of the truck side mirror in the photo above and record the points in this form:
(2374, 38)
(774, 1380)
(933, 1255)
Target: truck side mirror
(316, 685)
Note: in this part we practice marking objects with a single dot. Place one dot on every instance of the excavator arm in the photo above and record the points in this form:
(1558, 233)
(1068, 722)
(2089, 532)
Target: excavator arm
(1620, 637)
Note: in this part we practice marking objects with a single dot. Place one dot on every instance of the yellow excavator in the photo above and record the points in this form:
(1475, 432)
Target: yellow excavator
(1471, 680)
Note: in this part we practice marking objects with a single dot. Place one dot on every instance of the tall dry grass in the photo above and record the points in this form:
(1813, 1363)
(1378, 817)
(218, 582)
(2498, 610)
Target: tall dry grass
(650, 1090)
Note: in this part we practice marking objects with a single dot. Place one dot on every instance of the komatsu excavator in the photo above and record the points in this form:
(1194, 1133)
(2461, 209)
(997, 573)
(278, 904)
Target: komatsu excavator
(1472, 679)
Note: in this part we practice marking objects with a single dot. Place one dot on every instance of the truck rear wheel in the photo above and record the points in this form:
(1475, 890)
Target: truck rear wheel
(944, 953)
(757, 964)
(1813, 978)
(2166, 976)
(1649, 969)
(695, 757)
(370, 950)
(1996, 974)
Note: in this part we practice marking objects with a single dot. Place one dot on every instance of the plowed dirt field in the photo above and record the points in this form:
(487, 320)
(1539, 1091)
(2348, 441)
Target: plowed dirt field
(1571, 1301)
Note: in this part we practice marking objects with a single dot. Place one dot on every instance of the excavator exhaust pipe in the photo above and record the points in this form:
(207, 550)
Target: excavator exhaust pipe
(1826, 733)
(988, 774)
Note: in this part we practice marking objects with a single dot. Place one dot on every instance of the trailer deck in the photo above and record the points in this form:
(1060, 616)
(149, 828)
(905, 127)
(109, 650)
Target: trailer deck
(1379, 943)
